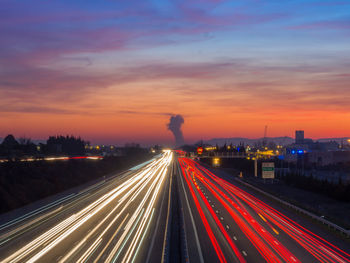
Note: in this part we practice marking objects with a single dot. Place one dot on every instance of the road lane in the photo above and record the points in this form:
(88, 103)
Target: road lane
(112, 222)
(124, 220)
(242, 228)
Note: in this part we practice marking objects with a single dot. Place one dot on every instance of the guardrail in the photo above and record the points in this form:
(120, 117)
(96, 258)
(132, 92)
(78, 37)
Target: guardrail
(300, 210)
(166, 244)
(184, 247)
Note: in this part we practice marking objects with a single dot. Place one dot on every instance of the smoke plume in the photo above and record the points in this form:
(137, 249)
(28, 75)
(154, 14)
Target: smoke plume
(175, 127)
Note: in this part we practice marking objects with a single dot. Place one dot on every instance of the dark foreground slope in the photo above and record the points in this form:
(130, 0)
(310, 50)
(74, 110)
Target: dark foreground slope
(22, 183)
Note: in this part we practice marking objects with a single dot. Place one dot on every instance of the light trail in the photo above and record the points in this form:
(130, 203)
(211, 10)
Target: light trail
(155, 187)
(234, 200)
(148, 214)
(222, 228)
(211, 235)
(35, 212)
(111, 239)
(249, 221)
(60, 158)
(114, 225)
(150, 178)
(297, 232)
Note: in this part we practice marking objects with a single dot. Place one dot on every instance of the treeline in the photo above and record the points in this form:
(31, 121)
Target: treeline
(64, 144)
(338, 191)
(12, 148)
(22, 183)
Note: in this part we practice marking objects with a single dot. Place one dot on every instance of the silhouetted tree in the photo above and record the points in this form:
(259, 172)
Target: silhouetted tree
(66, 145)
(9, 147)
(9, 142)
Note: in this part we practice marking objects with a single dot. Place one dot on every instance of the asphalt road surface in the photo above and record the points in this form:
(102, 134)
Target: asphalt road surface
(117, 220)
(125, 219)
(224, 223)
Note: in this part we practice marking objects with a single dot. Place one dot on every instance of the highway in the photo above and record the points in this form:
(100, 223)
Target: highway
(122, 219)
(224, 223)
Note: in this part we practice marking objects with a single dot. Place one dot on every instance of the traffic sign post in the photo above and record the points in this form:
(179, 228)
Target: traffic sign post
(268, 171)
(256, 168)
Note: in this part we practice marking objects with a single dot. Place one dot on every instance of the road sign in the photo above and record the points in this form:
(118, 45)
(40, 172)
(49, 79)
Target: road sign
(268, 170)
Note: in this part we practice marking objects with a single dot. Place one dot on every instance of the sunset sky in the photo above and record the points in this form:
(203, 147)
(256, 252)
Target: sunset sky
(115, 71)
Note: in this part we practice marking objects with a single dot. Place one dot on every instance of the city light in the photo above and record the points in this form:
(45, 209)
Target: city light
(216, 161)
(210, 148)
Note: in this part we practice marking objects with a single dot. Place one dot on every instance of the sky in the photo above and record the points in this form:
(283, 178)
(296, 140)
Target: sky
(116, 71)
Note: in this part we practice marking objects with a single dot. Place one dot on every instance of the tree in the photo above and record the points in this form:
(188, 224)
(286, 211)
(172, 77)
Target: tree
(9, 142)
(66, 145)
(24, 141)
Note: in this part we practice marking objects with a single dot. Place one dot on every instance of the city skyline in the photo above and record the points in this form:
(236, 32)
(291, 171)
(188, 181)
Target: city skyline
(112, 72)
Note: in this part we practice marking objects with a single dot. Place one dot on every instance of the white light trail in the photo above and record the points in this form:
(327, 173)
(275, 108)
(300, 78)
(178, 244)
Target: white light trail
(55, 235)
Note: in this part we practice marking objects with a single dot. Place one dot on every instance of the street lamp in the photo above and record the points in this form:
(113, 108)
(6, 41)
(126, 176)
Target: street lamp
(216, 162)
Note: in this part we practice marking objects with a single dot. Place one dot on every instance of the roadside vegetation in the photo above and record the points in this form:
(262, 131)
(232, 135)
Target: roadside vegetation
(339, 191)
(22, 183)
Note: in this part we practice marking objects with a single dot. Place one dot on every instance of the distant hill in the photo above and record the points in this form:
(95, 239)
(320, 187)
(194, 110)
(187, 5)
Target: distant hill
(338, 140)
(39, 141)
(237, 140)
(277, 140)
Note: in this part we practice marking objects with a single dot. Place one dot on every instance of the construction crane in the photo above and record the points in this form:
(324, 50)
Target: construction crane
(265, 136)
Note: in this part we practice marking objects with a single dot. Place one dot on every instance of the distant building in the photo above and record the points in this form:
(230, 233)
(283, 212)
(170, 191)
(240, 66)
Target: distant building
(299, 137)
(322, 153)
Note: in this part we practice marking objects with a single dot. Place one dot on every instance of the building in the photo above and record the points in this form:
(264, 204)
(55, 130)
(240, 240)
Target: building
(322, 153)
(299, 137)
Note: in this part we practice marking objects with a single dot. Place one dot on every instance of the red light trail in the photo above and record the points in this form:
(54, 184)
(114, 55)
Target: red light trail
(261, 224)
